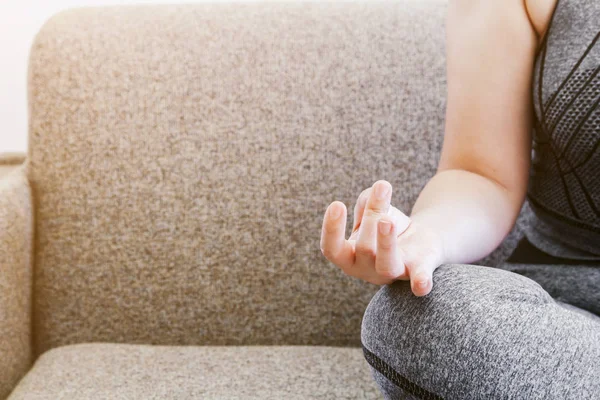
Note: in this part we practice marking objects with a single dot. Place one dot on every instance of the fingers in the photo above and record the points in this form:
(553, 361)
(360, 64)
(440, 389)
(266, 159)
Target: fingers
(401, 220)
(378, 248)
(359, 208)
(388, 263)
(380, 201)
(377, 206)
(334, 245)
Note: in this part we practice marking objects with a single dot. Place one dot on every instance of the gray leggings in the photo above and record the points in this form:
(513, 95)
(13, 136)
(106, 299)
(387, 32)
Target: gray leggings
(516, 332)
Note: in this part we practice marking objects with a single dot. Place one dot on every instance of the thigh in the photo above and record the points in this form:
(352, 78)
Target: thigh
(578, 310)
(481, 333)
(577, 285)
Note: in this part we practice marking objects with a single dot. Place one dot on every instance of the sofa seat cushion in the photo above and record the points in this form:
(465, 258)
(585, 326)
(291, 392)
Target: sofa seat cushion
(121, 371)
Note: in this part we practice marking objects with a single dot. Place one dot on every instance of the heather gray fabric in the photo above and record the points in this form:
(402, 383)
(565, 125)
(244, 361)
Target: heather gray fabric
(578, 285)
(564, 189)
(487, 333)
(104, 371)
(182, 158)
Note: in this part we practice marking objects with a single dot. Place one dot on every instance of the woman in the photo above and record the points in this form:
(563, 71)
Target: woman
(523, 75)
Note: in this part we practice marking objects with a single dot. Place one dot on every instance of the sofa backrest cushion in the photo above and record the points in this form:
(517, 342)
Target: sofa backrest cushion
(182, 158)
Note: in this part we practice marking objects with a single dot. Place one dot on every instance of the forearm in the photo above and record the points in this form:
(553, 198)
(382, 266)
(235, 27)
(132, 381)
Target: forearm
(471, 214)
(474, 199)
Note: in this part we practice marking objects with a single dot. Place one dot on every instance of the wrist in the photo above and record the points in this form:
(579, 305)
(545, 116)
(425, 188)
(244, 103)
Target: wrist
(429, 230)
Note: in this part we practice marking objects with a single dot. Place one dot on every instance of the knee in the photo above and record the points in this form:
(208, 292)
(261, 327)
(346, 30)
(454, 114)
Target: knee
(462, 296)
(421, 345)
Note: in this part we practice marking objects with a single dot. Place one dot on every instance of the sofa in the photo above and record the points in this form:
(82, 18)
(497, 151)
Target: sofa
(160, 238)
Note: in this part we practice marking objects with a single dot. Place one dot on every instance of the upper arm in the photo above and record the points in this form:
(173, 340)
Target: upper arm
(490, 56)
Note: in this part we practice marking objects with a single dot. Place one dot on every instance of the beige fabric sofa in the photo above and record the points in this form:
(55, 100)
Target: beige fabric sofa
(161, 239)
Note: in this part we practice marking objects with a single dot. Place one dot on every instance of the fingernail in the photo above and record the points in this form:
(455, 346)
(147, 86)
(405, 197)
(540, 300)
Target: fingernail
(422, 284)
(385, 227)
(335, 212)
(381, 191)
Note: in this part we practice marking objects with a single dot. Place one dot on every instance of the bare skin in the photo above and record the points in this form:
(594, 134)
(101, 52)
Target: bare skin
(471, 204)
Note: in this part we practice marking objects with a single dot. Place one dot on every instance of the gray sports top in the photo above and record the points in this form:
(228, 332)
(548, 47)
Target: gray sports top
(564, 188)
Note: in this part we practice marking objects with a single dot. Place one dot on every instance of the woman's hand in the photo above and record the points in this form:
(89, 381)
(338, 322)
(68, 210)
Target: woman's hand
(385, 245)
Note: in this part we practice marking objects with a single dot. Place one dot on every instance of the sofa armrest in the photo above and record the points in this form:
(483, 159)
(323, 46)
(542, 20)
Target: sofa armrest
(9, 162)
(16, 236)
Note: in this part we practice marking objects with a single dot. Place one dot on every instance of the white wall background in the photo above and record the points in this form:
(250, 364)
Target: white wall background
(19, 22)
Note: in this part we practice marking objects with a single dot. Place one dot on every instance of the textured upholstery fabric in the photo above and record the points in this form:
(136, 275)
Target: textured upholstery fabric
(16, 226)
(182, 159)
(10, 161)
(103, 371)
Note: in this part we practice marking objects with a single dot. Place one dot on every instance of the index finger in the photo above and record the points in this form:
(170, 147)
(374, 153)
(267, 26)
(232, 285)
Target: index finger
(334, 245)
